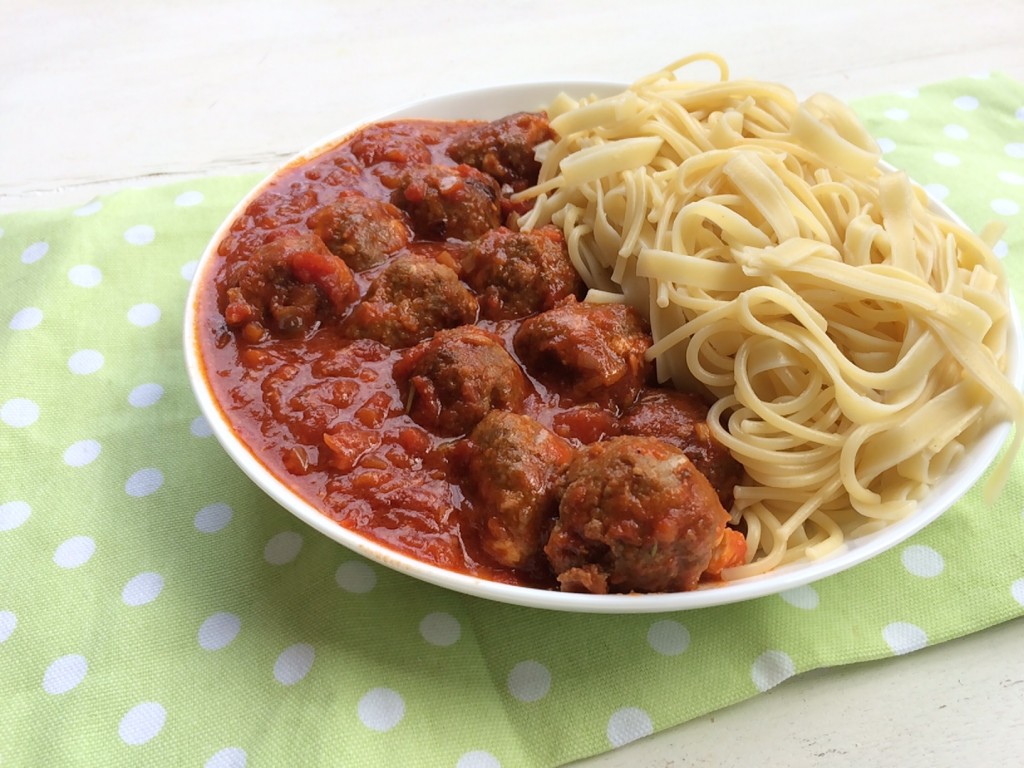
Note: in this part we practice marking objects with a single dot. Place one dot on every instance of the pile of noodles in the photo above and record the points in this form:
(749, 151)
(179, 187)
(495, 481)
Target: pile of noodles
(854, 342)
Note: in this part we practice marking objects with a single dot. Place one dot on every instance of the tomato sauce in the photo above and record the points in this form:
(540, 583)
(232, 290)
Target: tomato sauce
(322, 410)
(288, 399)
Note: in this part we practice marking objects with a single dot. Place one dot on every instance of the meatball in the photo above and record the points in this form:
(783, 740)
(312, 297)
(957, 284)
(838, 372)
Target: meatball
(510, 467)
(360, 231)
(635, 516)
(388, 143)
(587, 352)
(288, 285)
(504, 148)
(681, 418)
(410, 299)
(444, 201)
(451, 381)
(518, 273)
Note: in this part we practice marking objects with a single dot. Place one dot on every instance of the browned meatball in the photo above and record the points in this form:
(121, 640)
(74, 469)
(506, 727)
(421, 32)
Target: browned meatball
(635, 516)
(287, 286)
(361, 231)
(504, 148)
(518, 273)
(410, 299)
(509, 472)
(444, 201)
(387, 142)
(452, 380)
(681, 418)
(587, 351)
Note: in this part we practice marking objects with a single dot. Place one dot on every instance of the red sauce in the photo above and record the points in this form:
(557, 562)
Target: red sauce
(322, 411)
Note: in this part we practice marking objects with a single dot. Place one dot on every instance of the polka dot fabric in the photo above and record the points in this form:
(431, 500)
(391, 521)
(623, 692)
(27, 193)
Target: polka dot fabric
(157, 609)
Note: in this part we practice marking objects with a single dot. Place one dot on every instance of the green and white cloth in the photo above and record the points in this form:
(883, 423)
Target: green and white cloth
(157, 609)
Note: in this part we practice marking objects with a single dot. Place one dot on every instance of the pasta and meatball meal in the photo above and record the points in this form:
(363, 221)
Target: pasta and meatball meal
(642, 343)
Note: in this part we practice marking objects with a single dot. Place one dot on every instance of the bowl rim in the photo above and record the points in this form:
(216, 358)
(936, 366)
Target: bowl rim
(490, 103)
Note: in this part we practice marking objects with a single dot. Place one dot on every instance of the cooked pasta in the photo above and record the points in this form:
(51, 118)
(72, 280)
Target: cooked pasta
(854, 342)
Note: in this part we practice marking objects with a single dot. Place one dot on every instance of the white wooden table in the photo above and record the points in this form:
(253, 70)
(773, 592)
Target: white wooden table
(99, 95)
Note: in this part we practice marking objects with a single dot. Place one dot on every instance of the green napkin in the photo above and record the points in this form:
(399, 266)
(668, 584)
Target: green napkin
(157, 609)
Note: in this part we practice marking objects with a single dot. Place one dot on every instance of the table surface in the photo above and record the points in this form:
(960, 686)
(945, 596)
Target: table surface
(98, 96)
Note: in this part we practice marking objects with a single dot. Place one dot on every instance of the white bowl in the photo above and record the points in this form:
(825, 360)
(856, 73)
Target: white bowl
(489, 104)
